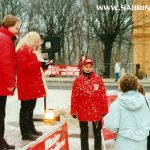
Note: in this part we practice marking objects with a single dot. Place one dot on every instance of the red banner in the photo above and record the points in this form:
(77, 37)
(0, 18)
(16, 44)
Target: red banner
(63, 70)
(111, 98)
(108, 135)
(58, 140)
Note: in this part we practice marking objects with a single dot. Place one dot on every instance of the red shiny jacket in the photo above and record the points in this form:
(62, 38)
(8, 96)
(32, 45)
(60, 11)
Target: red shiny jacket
(29, 77)
(7, 61)
(89, 100)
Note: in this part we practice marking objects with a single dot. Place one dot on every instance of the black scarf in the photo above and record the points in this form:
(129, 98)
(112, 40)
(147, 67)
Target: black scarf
(88, 75)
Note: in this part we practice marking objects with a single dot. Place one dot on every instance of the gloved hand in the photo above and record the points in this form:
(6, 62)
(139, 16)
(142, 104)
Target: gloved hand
(104, 115)
(74, 116)
(45, 65)
(11, 89)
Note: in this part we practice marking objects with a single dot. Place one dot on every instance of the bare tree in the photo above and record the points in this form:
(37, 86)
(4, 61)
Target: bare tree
(108, 24)
(56, 15)
(102, 34)
(14, 7)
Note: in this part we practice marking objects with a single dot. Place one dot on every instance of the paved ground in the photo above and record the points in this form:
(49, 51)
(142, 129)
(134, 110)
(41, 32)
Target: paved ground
(66, 83)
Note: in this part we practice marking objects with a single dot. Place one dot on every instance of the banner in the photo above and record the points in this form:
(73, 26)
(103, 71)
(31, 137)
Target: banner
(63, 70)
(108, 135)
(57, 140)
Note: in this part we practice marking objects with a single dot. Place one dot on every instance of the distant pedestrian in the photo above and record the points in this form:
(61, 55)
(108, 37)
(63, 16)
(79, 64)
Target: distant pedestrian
(8, 32)
(30, 82)
(117, 70)
(89, 104)
(129, 116)
(80, 63)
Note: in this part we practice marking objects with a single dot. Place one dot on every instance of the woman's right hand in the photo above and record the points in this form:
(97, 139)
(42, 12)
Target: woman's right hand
(46, 64)
(11, 89)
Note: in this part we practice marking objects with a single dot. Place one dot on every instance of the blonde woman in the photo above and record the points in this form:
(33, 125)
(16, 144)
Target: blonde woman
(30, 83)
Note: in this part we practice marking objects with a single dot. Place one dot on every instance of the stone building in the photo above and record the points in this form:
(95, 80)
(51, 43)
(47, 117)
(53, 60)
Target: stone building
(141, 36)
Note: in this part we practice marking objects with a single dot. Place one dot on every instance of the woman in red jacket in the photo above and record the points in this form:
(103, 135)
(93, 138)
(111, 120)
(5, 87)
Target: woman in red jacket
(30, 82)
(8, 32)
(89, 103)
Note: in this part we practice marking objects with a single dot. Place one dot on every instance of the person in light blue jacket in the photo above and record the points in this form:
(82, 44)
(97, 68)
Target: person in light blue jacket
(129, 116)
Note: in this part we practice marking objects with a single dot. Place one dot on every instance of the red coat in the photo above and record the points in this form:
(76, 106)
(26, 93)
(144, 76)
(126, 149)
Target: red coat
(89, 100)
(29, 77)
(7, 62)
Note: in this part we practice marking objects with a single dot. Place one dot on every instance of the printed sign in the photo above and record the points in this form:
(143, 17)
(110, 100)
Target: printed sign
(60, 70)
(58, 140)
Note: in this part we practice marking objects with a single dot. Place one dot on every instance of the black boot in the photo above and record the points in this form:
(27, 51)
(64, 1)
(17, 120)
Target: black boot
(29, 136)
(25, 127)
(24, 119)
(7, 146)
(4, 145)
(32, 127)
(35, 132)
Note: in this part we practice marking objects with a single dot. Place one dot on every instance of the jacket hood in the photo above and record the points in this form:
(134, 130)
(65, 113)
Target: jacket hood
(132, 100)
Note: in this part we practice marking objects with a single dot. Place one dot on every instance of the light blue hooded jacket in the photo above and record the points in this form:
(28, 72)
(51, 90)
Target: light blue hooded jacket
(129, 116)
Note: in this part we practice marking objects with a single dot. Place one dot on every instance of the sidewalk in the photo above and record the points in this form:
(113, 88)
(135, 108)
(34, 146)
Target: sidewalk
(107, 80)
(63, 82)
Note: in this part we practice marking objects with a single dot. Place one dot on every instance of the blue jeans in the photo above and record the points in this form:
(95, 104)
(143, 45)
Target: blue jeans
(116, 76)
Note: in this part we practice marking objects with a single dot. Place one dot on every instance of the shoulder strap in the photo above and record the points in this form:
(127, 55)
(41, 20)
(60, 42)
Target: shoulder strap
(146, 102)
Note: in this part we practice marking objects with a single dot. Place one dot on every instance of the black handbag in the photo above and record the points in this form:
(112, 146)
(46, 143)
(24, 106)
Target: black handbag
(148, 142)
(148, 138)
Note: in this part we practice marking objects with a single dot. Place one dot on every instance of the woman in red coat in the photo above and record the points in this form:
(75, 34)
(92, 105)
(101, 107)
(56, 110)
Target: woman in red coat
(8, 32)
(89, 104)
(30, 83)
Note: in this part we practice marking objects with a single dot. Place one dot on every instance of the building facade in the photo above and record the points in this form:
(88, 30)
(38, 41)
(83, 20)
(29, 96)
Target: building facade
(141, 37)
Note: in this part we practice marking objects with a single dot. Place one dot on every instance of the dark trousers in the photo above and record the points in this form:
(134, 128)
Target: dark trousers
(97, 126)
(2, 115)
(26, 116)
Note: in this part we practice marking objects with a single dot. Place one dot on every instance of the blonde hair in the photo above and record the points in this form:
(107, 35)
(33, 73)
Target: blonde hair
(29, 40)
(10, 21)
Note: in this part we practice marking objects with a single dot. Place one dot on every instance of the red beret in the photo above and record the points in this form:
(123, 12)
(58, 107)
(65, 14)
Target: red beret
(88, 61)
